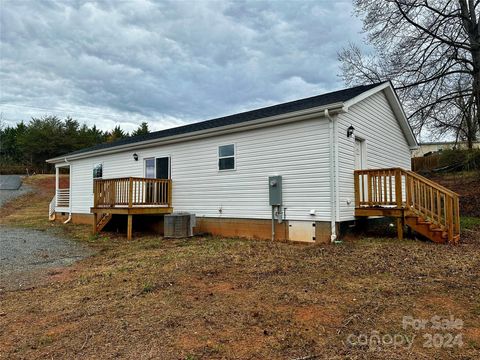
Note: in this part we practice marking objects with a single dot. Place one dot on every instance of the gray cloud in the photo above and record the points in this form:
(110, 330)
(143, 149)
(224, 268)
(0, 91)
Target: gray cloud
(168, 63)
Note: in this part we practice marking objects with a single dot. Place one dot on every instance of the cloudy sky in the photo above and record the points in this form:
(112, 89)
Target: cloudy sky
(166, 62)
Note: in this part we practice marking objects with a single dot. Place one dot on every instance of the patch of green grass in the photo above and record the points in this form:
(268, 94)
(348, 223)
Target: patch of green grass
(147, 288)
(469, 222)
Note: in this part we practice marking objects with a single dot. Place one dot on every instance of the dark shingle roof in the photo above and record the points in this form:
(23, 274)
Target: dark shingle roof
(292, 106)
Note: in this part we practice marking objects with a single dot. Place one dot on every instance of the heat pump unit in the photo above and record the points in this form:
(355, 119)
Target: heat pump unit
(179, 225)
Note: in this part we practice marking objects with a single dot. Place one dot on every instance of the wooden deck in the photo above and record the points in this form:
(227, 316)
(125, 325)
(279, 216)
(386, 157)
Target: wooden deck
(425, 206)
(129, 196)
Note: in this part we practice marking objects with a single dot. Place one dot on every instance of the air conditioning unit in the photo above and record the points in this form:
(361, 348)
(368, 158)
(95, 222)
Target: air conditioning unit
(179, 225)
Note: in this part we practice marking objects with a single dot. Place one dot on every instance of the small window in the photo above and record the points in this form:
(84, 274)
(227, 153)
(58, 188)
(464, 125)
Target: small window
(98, 171)
(226, 157)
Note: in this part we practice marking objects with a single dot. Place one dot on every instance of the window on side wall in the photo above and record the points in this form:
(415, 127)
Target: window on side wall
(97, 171)
(226, 157)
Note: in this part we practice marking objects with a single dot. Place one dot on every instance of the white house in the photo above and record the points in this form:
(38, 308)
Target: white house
(435, 147)
(219, 169)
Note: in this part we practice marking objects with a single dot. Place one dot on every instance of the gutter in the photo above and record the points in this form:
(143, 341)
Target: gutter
(248, 125)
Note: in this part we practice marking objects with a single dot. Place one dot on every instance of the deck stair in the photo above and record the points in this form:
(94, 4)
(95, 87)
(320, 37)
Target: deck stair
(426, 207)
(103, 221)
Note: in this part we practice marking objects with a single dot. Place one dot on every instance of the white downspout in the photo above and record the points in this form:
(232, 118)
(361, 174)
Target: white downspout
(333, 210)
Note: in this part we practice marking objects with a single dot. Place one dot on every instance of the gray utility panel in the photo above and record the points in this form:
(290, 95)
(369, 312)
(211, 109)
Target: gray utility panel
(275, 190)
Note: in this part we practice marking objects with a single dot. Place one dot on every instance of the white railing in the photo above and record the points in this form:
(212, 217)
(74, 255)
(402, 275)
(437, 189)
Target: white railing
(63, 198)
(51, 208)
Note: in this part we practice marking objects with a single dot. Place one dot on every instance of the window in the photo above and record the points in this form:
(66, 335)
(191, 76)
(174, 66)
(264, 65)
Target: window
(150, 168)
(97, 171)
(226, 157)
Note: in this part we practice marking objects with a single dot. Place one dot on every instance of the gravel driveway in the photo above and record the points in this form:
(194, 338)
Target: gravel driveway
(10, 182)
(27, 255)
(11, 187)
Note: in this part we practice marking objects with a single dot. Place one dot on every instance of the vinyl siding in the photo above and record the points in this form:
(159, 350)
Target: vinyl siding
(298, 151)
(385, 145)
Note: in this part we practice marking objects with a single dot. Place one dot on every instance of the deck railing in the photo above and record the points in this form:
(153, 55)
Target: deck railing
(132, 192)
(63, 198)
(398, 188)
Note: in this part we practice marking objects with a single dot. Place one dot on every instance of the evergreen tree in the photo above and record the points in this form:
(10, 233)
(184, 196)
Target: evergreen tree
(141, 130)
(116, 134)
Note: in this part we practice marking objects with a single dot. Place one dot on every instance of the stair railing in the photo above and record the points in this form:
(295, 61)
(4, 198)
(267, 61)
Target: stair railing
(51, 208)
(402, 189)
(433, 202)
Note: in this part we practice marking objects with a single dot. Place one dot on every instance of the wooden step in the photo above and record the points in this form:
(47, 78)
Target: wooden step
(104, 220)
(427, 229)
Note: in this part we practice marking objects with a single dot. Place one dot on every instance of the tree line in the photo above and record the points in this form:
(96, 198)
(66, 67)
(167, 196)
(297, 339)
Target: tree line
(28, 145)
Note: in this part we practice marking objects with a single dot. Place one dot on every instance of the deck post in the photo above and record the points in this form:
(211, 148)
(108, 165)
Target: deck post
(400, 228)
(170, 193)
(95, 219)
(356, 184)
(130, 192)
(129, 227)
(408, 190)
(95, 193)
(449, 219)
(398, 188)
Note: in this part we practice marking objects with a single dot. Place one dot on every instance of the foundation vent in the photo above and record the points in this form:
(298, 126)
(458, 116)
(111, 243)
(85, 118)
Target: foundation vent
(179, 225)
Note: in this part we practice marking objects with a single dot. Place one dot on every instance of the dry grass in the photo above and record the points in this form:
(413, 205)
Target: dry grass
(228, 298)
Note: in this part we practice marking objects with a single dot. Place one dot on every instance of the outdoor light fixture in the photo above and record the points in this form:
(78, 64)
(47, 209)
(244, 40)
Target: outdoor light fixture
(350, 131)
(135, 156)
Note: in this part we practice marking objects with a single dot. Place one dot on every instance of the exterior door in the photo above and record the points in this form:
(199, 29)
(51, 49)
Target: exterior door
(162, 168)
(360, 164)
(162, 171)
(359, 155)
(157, 168)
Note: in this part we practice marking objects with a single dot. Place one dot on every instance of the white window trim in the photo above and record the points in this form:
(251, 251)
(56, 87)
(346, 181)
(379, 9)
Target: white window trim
(225, 157)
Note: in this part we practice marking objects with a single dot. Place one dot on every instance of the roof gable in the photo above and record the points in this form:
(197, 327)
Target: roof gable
(397, 108)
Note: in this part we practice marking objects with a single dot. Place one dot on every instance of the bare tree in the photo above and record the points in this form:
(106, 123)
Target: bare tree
(430, 50)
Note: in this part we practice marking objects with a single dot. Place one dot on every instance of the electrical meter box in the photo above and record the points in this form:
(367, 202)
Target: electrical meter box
(275, 190)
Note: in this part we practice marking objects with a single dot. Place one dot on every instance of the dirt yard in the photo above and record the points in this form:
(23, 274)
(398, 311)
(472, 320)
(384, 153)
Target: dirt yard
(207, 298)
